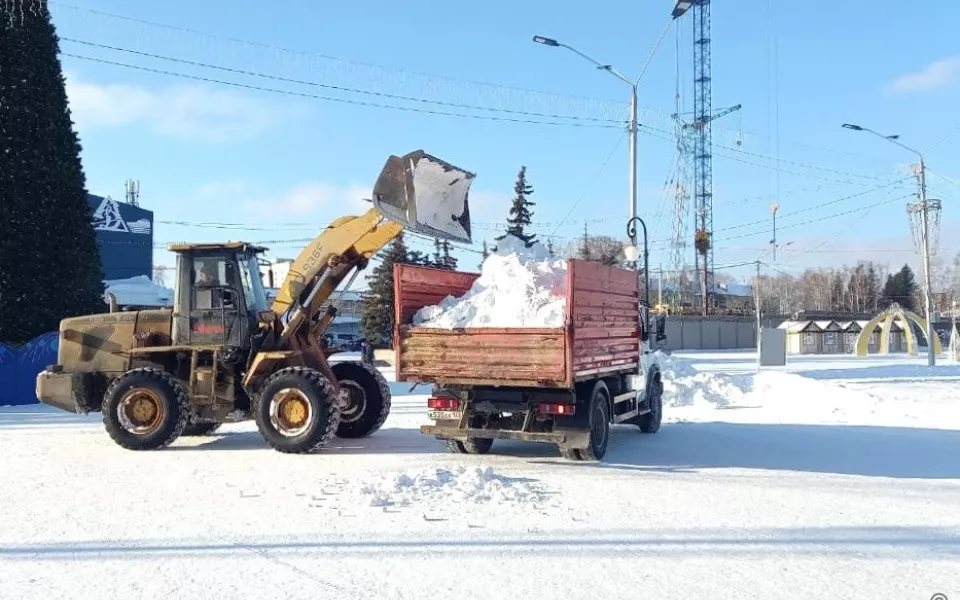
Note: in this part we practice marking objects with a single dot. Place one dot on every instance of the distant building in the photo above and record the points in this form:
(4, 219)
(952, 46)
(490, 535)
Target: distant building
(275, 271)
(125, 236)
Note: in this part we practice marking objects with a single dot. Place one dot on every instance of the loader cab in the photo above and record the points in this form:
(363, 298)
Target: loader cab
(219, 294)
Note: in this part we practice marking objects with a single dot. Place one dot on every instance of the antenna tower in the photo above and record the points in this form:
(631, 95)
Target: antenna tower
(133, 192)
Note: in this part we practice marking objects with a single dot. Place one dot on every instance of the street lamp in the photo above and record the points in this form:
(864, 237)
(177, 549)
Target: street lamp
(681, 7)
(632, 126)
(922, 176)
(631, 252)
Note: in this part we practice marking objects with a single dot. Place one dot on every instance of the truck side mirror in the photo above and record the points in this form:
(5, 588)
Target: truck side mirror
(661, 327)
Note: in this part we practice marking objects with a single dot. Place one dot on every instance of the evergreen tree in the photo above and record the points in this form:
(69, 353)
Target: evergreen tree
(520, 212)
(377, 318)
(437, 254)
(837, 292)
(900, 288)
(550, 248)
(49, 257)
(415, 257)
(585, 252)
(447, 261)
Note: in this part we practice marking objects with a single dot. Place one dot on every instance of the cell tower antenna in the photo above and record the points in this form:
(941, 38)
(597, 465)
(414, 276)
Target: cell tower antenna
(133, 192)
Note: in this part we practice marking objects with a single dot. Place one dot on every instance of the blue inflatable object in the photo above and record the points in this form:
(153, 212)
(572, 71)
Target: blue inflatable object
(19, 368)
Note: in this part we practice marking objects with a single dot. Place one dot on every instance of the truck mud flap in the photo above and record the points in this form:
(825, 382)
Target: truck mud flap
(456, 433)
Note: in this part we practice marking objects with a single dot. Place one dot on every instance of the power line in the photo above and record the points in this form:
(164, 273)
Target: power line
(821, 219)
(814, 207)
(668, 137)
(327, 57)
(332, 99)
(592, 181)
(206, 65)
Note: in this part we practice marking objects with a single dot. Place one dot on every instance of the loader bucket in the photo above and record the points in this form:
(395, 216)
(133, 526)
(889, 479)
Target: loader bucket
(426, 194)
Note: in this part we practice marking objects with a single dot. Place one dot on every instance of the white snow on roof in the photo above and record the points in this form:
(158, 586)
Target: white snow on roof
(138, 291)
(823, 325)
(794, 326)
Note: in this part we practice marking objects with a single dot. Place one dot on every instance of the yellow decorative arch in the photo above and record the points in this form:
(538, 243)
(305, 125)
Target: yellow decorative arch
(885, 320)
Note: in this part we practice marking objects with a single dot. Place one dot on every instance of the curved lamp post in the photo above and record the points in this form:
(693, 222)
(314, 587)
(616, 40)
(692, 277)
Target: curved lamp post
(631, 252)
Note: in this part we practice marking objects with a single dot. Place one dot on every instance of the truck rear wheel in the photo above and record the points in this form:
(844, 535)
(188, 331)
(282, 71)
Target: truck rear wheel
(599, 406)
(370, 399)
(297, 411)
(145, 409)
(471, 446)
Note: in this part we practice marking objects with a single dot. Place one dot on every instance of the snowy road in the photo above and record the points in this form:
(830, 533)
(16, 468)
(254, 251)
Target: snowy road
(828, 482)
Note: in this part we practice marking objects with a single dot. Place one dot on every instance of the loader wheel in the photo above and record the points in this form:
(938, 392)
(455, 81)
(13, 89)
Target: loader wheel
(370, 399)
(650, 422)
(145, 409)
(297, 411)
(599, 424)
(198, 429)
(471, 446)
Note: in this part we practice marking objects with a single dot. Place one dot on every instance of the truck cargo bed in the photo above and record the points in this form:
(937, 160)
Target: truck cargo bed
(600, 336)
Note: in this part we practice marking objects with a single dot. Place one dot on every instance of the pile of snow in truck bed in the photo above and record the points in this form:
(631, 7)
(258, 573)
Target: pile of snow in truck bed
(517, 287)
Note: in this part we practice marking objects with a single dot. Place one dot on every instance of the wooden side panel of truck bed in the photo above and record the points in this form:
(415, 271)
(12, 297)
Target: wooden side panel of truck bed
(600, 336)
(604, 312)
(482, 356)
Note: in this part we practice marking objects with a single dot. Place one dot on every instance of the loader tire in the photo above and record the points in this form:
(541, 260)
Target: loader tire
(198, 429)
(471, 446)
(145, 409)
(297, 410)
(650, 422)
(370, 399)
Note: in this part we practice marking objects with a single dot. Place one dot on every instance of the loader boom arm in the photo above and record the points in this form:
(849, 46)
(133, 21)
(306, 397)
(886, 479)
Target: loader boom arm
(417, 192)
(346, 244)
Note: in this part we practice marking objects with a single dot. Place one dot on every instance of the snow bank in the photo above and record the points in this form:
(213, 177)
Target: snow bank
(477, 485)
(683, 385)
(517, 287)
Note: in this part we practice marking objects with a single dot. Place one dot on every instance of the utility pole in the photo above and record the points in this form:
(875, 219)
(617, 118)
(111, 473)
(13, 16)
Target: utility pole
(756, 284)
(631, 126)
(922, 209)
(925, 244)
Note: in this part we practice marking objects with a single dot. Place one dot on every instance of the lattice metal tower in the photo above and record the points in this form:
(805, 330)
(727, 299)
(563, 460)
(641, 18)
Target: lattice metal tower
(703, 148)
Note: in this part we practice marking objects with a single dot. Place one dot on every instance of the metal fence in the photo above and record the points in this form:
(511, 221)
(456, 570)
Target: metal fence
(712, 333)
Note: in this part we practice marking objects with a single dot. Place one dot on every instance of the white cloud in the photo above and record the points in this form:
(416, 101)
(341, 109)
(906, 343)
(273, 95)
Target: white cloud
(188, 112)
(936, 75)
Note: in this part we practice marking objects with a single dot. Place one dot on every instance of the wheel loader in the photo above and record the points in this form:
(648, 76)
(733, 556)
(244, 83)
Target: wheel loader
(222, 354)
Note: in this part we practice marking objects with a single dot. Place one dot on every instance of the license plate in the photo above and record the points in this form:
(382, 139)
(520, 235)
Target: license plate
(444, 415)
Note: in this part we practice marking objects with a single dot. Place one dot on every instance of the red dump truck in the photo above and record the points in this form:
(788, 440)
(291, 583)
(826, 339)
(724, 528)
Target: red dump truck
(564, 386)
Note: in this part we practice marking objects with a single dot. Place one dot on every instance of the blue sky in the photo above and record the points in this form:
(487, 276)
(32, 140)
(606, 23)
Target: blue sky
(268, 166)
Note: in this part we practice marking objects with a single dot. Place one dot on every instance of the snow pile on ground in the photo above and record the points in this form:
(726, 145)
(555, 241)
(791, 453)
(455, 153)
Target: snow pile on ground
(517, 287)
(683, 385)
(478, 485)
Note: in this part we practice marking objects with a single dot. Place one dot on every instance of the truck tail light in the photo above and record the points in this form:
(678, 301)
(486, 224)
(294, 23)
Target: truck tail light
(443, 403)
(557, 409)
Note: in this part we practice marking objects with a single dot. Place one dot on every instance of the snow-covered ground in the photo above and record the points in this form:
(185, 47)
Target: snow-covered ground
(831, 478)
